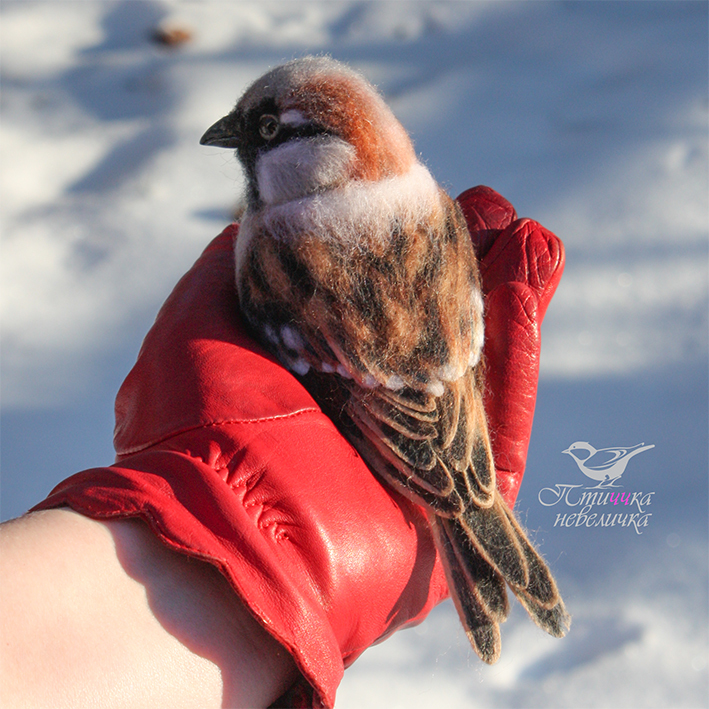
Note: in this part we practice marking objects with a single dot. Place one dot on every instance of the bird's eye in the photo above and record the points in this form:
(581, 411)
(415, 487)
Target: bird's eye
(268, 126)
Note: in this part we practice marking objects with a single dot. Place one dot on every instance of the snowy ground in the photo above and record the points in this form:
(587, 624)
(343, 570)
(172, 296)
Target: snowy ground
(589, 116)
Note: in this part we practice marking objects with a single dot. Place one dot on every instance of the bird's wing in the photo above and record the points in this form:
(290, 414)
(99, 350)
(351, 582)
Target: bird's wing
(403, 320)
(605, 458)
(428, 452)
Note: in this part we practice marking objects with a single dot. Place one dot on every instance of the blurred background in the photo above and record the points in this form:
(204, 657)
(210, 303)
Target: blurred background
(590, 117)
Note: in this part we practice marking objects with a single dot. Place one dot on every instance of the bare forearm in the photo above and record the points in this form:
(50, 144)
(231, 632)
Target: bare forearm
(102, 614)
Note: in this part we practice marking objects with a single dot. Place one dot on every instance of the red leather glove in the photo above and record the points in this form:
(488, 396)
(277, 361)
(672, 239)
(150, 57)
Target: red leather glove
(228, 459)
(521, 264)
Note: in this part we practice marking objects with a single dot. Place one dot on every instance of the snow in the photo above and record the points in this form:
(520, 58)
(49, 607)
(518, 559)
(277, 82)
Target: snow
(591, 117)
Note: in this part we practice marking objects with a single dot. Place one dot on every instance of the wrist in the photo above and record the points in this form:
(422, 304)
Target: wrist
(103, 614)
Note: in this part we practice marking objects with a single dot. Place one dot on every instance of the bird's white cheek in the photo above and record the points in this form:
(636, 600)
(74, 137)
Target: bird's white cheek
(301, 167)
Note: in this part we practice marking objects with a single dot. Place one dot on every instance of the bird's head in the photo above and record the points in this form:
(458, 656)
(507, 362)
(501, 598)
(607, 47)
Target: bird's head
(308, 126)
(580, 449)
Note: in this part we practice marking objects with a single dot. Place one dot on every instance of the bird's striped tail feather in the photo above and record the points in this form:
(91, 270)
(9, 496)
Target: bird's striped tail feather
(484, 550)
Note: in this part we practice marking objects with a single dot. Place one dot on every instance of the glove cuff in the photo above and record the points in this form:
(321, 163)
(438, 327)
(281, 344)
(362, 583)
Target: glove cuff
(288, 535)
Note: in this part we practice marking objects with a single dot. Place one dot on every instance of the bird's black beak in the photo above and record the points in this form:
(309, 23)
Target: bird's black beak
(223, 134)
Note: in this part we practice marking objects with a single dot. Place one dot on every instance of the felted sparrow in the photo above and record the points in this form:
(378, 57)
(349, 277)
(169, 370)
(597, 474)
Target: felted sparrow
(357, 271)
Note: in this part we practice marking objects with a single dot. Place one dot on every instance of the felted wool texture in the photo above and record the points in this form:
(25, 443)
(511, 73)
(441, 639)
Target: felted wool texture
(382, 287)
(302, 167)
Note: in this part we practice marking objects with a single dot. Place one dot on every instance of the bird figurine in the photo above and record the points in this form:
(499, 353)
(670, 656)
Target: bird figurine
(605, 464)
(356, 270)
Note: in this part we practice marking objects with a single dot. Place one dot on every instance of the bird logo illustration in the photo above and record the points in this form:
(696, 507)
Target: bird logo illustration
(605, 465)
(357, 271)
